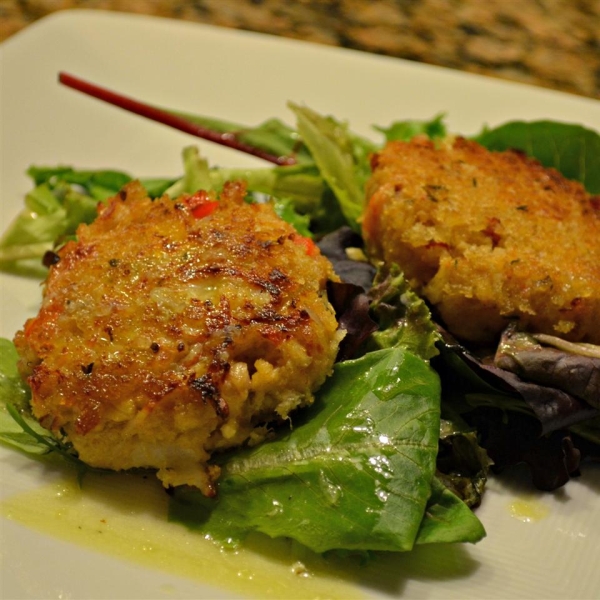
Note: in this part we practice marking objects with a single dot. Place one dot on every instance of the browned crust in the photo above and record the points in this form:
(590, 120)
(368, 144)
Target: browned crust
(488, 237)
(173, 327)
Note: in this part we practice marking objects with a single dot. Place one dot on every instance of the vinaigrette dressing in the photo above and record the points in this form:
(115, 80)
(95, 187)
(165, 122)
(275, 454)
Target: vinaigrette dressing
(126, 516)
(528, 509)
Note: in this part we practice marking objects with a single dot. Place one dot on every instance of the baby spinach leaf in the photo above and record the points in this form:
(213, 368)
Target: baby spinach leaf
(571, 149)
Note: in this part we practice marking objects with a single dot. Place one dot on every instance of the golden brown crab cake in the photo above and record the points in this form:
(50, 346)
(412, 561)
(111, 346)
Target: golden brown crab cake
(172, 329)
(488, 237)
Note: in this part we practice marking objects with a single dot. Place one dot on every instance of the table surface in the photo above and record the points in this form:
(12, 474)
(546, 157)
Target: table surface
(548, 43)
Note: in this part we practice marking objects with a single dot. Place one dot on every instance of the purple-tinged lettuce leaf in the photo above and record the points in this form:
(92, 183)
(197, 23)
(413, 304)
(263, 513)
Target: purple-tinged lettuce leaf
(554, 408)
(512, 438)
(349, 298)
(336, 247)
(351, 307)
(462, 464)
(576, 374)
(516, 421)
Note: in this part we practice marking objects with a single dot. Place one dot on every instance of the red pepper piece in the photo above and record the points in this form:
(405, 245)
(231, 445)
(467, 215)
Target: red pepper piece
(309, 246)
(201, 204)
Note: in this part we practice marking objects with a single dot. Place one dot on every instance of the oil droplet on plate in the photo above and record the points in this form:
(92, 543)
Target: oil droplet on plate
(299, 569)
(528, 510)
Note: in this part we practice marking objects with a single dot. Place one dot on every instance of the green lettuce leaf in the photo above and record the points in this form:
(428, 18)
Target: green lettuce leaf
(448, 519)
(403, 317)
(341, 157)
(355, 474)
(18, 428)
(301, 185)
(61, 200)
(14, 397)
(273, 136)
(286, 211)
(406, 130)
(64, 198)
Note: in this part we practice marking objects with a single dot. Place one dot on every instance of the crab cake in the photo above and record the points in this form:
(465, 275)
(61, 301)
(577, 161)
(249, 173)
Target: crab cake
(488, 237)
(173, 329)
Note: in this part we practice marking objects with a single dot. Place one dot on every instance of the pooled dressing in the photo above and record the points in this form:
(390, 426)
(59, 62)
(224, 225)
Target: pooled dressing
(126, 516)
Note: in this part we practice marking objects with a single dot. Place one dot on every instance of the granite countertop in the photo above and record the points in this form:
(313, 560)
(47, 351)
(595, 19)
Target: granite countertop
(549, 43)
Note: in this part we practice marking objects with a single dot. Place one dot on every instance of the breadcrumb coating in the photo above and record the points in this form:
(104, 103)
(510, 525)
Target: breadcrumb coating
(173, 329)
(488, 238)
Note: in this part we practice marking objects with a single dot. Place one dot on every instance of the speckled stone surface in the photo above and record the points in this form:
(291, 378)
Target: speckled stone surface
(549, 43)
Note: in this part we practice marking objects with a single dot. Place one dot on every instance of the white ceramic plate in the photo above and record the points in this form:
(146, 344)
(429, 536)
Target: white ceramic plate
(538, 546)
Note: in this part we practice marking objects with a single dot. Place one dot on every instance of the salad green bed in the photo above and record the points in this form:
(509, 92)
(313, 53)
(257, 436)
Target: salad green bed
(386, 458)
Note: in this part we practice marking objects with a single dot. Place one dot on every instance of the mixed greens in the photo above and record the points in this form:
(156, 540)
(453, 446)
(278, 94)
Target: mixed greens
(397, 448)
